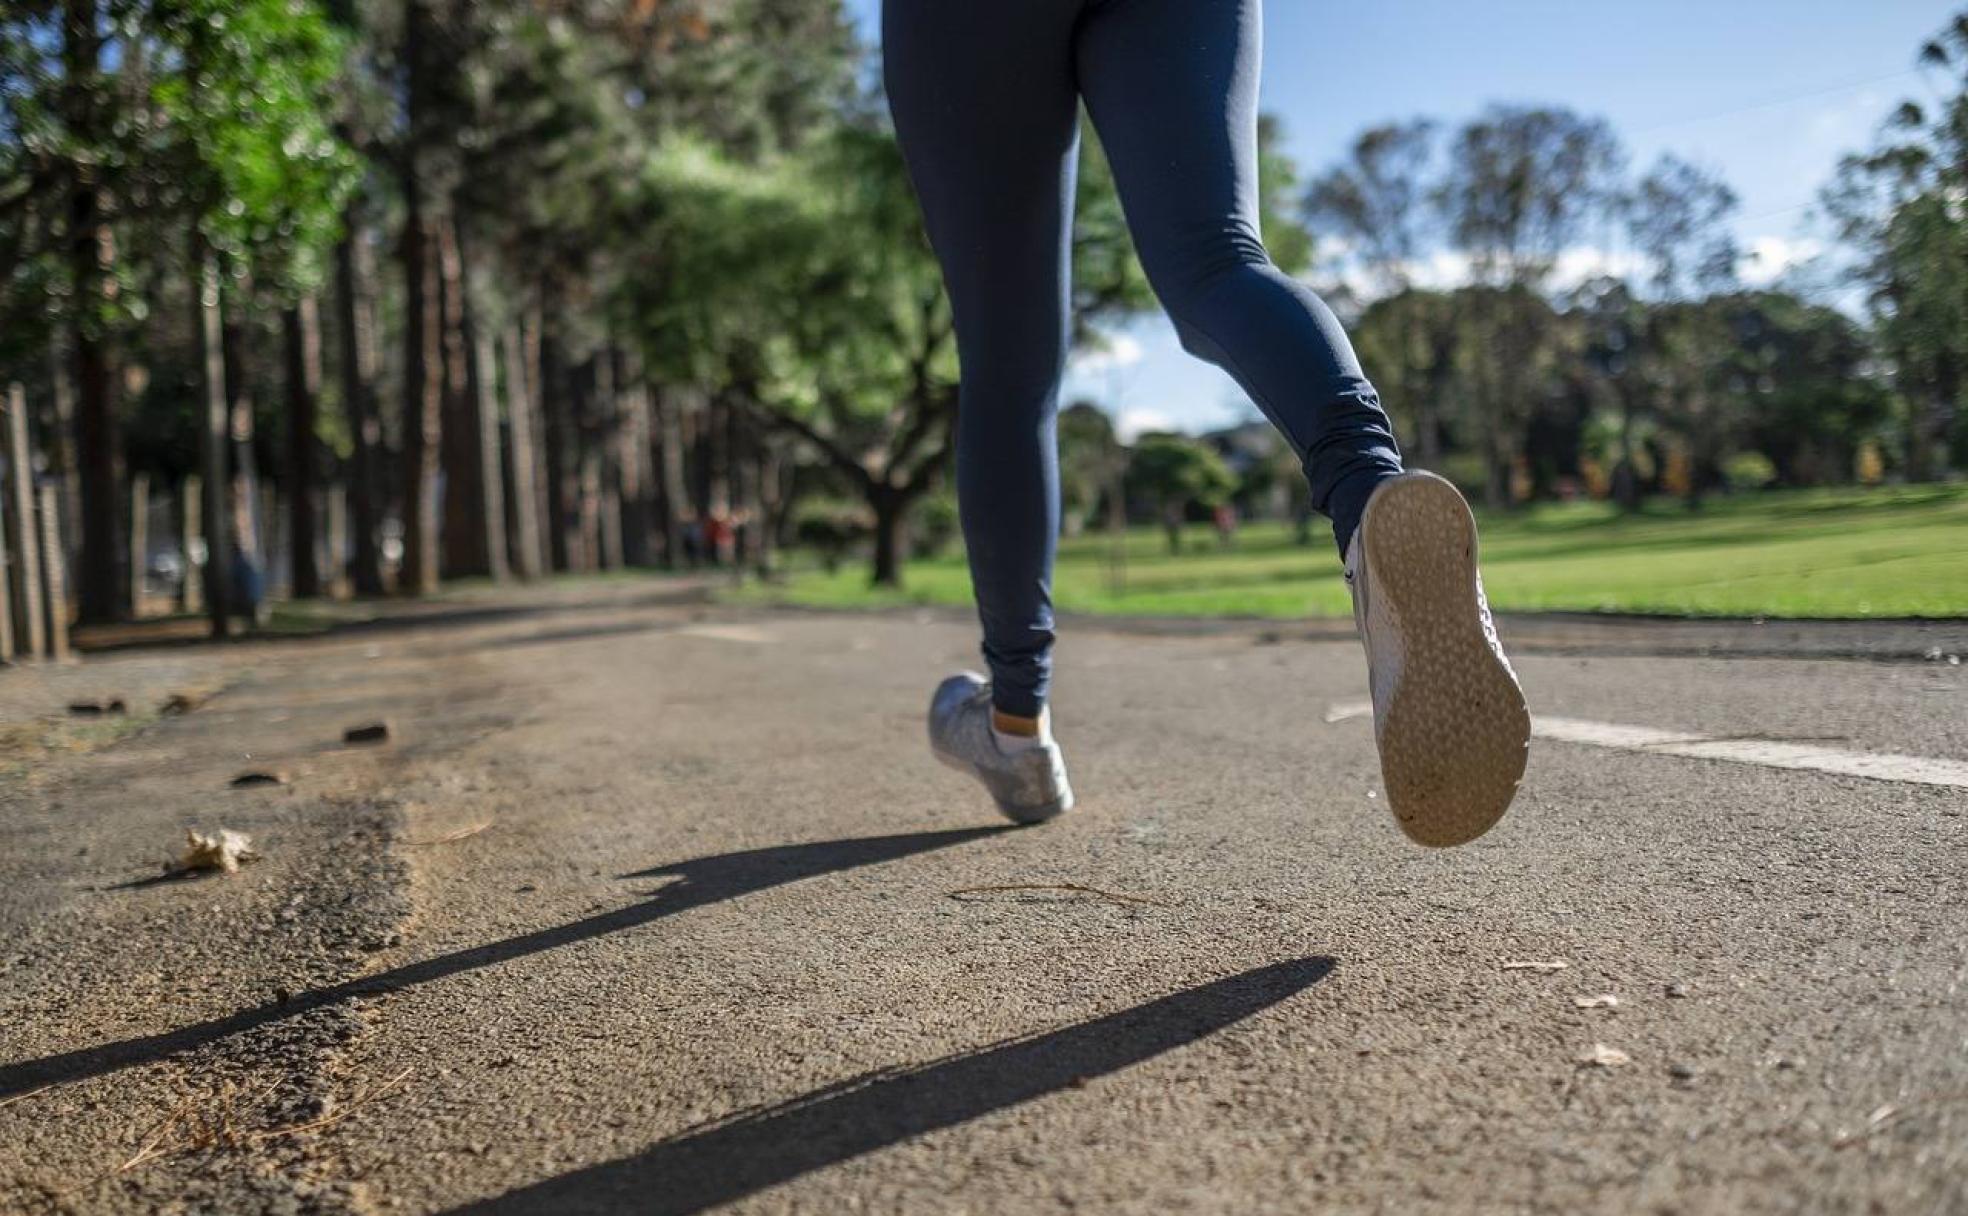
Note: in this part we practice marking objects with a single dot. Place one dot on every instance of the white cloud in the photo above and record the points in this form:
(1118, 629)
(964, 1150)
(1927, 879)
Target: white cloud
(1120, 351)
(1134, 423)
(1577, 265)
(1765, 259)
(1448, 269)
(1768, 257)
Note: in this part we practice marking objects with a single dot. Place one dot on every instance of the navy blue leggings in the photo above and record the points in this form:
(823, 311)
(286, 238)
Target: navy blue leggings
(986, 98)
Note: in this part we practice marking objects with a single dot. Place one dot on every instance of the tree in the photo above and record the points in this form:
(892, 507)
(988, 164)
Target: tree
(195, 127)
(1796, 385)
(65, 87)
(1090, 457)
(301, 332)
(1521, 183)
(805, 285)
(1613, 327)
(1377, 203)
(426, 80)
(1676, 218)
(1176, 472)
(1901, 208)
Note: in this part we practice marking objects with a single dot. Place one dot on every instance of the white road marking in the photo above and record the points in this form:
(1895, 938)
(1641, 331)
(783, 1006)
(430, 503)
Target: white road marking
(1769, 753)
(728, 633)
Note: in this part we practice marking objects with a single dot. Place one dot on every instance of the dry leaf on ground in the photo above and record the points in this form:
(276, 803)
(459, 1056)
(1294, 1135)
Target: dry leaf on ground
(223, 850)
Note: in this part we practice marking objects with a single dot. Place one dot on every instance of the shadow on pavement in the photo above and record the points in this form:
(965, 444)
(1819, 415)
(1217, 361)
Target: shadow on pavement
(745, 1153)
(705, 880)
(385, 616)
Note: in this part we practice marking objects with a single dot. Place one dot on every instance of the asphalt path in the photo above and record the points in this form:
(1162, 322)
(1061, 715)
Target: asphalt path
(649, 906)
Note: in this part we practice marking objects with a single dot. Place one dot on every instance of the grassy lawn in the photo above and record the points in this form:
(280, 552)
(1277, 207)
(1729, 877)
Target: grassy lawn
(1889, 552)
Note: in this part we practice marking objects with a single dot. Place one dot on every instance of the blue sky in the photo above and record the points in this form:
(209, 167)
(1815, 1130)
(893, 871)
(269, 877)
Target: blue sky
(1768, 92)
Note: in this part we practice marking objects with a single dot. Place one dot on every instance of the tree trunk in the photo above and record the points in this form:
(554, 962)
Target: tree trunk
(30, 625)
(1428, 409)
(605, 455)
(714, 453)
(467, 522)
(490, 481)
(271, 523)
(520, 422)
(1496, 480)
(891, 535)
(207, 324)
(1428, 434)
(244, 497)
(91, 260)
(191, 540)
(54, 588)
(302, 326)
(6, 616)
(584, 474)
(139, 539)
(58, 450)
(674, 494)
(1626, 474)
(771, 503)
(553, 403)
(532, 368)
(334, 579)
(633, 463)
(744, 488)
(423, 370)
(358, 341)
(423, 356)
(244, 558)
(95, 425)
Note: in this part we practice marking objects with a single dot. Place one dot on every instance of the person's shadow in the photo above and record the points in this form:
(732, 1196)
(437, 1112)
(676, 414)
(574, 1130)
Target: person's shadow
(705, 880)
(730, 1158)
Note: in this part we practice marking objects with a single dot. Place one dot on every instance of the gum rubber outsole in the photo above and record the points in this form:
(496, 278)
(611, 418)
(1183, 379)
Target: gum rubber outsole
(1457, 732)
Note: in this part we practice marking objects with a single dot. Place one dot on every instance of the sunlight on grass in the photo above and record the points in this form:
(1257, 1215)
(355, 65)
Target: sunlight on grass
(1818, 553)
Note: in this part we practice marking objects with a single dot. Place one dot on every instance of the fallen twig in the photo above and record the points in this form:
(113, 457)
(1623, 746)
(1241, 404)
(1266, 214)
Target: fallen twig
(1083, 889)
(222, 1129)
(29, 1094)
(154, 1139)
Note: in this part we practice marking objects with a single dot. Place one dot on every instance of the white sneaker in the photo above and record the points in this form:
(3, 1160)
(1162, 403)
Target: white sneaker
(1449, 716)
(1028, 782)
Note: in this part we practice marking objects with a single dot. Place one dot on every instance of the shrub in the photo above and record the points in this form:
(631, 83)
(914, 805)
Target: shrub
(1748, 471)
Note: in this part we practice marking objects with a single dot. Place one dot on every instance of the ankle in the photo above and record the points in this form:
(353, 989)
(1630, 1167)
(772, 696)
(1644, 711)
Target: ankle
(1014, 734)
(1012, 724)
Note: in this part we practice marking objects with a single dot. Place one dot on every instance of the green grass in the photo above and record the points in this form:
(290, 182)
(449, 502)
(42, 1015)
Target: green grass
(1893, 552)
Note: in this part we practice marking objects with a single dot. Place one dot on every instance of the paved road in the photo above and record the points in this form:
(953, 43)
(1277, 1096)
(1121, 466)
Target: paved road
(649, 907)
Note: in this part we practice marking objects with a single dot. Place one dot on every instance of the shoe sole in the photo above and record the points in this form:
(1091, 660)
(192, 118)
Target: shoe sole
(1457, 732)
(1025, 816)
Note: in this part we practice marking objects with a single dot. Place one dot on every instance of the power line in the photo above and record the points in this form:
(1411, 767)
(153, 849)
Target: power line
(1773, 102)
